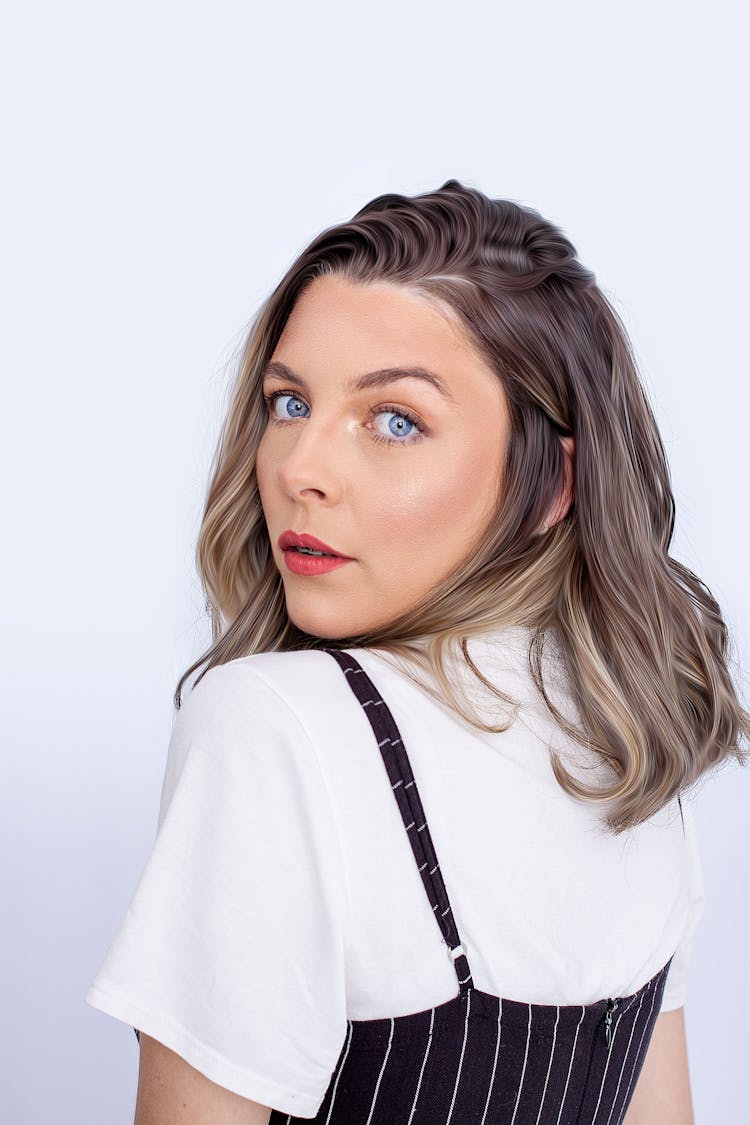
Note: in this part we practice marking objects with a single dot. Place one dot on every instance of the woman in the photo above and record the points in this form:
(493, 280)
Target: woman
(425, 851)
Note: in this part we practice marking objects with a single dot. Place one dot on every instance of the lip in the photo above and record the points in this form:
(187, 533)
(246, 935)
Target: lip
(309, 565)
(289, 539)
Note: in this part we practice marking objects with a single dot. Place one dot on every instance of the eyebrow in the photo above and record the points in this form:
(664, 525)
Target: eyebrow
(369, 380)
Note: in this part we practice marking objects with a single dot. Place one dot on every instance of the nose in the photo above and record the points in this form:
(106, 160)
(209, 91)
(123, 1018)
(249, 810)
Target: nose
(310, 460)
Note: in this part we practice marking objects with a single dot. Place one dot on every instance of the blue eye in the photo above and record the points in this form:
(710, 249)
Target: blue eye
(271, 402)
(400, 425)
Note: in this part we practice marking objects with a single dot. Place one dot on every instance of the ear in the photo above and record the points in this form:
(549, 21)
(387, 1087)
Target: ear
(565, 499)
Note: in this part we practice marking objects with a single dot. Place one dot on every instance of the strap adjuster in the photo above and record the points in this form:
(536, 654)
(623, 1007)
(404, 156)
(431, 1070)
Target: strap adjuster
(457, 952)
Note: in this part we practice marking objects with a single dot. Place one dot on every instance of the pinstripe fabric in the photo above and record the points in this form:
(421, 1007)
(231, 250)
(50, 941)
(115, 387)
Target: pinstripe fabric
(479, 1059)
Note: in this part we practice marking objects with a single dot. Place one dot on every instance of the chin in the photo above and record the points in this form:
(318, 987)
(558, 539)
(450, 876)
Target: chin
(323, 626)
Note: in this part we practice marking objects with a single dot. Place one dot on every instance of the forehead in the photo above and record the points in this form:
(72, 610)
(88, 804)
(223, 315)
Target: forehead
(374, 323)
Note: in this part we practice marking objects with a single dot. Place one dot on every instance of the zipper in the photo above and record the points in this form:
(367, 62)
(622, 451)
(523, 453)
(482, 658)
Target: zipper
(611, 1005)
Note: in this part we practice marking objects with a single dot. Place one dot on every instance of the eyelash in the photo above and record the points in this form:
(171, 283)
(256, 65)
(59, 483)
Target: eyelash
(384, 409)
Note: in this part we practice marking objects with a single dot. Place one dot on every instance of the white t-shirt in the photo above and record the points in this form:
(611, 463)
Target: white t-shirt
(281, 896)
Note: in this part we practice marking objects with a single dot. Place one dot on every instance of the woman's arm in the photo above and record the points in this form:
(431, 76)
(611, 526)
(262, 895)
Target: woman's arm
(172, 1092)
(662, 1093)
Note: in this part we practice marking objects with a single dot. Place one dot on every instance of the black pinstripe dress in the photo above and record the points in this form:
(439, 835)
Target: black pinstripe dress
(479, 1059)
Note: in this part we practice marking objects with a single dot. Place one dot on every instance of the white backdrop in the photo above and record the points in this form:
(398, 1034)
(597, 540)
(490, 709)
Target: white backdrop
(164, 163)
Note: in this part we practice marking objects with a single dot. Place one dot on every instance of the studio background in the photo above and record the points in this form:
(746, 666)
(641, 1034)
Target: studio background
(164, 164)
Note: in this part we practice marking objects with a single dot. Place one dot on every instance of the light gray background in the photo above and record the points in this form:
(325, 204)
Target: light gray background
(164, 163)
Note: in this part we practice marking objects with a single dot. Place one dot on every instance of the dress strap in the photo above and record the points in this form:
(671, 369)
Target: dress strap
(407, 797)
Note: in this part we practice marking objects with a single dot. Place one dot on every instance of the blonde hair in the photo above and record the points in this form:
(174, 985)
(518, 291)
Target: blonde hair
(641, 638)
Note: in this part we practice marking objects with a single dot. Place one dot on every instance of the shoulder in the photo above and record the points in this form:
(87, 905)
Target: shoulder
(250, 683)
(273, 696)
(251, 721)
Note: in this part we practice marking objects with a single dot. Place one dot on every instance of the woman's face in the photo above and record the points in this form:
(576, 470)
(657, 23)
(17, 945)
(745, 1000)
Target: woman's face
(400, 476)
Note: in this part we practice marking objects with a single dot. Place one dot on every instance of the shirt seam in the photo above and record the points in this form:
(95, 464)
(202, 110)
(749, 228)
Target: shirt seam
(338, 833)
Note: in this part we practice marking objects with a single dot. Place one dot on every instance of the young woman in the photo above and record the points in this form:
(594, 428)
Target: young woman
(425, 851)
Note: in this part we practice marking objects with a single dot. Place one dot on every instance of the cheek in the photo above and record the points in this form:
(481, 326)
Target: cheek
(261, 467)
(266, 494)
(440, 504)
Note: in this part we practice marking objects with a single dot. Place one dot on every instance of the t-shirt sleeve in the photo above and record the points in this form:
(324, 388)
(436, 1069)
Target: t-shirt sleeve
(675, 988)
(231, 952)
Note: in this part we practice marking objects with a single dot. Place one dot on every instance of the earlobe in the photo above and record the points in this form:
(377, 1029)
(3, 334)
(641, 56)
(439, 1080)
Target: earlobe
(562, 506)
(569, 445)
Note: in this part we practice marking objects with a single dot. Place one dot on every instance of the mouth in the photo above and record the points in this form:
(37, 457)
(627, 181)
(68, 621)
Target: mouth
(305, 544)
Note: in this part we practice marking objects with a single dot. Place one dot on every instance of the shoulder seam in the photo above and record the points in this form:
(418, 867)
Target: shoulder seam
(324, 779)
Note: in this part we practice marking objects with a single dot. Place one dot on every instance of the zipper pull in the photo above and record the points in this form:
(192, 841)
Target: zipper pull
(611, 1005)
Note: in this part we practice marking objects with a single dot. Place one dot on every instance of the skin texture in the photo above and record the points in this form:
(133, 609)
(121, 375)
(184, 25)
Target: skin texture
(662, 1094)
(171, 1092)
(407, 513)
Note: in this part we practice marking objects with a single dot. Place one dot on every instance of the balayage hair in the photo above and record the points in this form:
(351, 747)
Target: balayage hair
(642, 640)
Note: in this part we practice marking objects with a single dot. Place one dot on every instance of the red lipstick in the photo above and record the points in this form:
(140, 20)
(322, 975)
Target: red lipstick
(303, 561)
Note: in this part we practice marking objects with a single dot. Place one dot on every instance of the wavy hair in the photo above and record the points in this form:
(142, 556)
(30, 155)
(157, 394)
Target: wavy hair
(641, 639)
